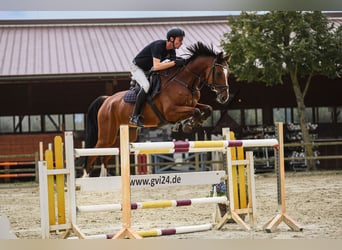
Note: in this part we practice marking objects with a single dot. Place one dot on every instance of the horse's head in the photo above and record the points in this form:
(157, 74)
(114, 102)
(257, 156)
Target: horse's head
(214, 69)
(217, 78)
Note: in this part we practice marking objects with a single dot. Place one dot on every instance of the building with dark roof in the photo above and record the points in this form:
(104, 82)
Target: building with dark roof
(51, 70)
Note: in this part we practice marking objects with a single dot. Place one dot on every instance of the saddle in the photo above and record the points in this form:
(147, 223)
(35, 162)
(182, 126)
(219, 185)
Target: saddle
(154, 79)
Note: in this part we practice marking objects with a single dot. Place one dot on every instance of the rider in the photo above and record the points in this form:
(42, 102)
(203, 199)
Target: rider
(154, 56)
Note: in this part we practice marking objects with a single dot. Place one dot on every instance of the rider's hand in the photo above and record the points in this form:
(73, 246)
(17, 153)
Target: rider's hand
(180, 61)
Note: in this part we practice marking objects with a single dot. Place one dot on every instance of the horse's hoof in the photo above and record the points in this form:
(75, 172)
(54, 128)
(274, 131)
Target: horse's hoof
(85, 174)
(187, 128)
(176, 127)
(103, 172)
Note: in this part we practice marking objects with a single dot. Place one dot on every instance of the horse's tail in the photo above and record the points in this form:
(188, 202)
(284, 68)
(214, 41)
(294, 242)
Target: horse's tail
(91, 123)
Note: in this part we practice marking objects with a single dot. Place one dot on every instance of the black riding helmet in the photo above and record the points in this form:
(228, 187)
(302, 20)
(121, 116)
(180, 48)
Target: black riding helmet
(175, 32)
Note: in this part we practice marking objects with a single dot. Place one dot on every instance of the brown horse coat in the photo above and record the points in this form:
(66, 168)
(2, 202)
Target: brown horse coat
(177, 100)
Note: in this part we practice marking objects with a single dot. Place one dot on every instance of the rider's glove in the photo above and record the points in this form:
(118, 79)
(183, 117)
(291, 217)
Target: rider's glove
(180, 61)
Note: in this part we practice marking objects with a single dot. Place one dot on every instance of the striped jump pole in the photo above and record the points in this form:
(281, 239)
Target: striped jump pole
(197, 146)
(176, 230)
(158, 232)
(154, 204)
(178, 147)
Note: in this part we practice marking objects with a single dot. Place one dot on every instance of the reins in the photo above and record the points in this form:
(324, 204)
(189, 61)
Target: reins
(201, 83)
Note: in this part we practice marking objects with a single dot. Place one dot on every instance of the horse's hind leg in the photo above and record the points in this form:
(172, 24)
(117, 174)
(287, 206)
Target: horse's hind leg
(89, 166)
(103, 172)
(90, 162)
(104, 165)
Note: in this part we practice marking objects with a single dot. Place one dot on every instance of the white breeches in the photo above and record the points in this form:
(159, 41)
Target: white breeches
(139, 75)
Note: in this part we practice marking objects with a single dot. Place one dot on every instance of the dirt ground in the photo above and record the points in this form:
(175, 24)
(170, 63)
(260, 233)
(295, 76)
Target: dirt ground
(313, 200)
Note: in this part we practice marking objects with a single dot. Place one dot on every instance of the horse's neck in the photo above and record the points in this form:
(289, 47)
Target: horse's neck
(168, 75)
(196, 70)
(190, 75)
(200, 65)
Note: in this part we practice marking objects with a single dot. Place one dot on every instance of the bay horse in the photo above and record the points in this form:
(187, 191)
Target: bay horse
(177, 100)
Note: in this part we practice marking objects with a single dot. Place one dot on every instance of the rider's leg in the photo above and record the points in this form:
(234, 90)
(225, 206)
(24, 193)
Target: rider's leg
(135, 117)
(140, 77)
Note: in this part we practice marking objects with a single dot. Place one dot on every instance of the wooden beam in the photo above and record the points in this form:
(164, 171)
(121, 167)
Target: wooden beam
(272, 224)
(126, 231)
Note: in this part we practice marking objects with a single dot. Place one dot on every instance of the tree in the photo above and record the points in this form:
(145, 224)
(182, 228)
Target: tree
(282, 45)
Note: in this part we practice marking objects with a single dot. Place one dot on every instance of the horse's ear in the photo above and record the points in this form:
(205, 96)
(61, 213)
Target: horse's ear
(227, 57)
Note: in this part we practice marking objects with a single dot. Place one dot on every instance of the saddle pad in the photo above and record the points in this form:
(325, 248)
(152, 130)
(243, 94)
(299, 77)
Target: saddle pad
(130, 96)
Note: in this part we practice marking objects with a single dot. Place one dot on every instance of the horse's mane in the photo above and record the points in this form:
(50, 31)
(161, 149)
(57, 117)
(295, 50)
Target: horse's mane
(200, 49)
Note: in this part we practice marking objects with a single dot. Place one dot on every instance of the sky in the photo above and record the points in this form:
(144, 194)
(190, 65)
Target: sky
(25, 15)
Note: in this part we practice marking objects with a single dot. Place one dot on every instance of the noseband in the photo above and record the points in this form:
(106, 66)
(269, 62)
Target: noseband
(214, 87)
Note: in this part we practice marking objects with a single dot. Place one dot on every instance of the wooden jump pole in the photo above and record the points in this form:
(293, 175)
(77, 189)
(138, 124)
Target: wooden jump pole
(126, 231)
(272, 224)
(47, 173)
(50, 185)
(59, 164)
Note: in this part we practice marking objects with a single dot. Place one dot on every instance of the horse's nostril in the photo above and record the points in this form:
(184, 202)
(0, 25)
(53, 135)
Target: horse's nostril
(222, 98)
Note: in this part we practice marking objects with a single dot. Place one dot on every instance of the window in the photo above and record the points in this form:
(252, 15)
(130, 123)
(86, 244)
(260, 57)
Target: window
(6, 124)
(213, 119)
(309, 115)
(74, 122)
(53, 123)
(42, 123)
(79, 122)
(253, 117)
(216, 116)
(295, 116)
(208, 122)
(325, 114)
(35, 123)
(288, 115)
(339, 114)
(235, 114)
(21, 124)
(69, 122)
(279, 115)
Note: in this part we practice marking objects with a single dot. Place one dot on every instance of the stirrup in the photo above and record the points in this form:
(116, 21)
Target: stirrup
(135, 120)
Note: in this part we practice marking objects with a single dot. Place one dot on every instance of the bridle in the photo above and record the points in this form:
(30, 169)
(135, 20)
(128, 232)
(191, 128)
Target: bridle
(218, 88)
(213, 86)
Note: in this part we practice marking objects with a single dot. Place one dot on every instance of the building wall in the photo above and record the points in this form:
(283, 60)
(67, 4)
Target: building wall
(23, 144)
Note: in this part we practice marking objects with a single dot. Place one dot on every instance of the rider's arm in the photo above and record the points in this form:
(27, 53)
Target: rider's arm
(158, 65)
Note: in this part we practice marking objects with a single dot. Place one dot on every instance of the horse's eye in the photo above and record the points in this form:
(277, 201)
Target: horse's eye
(218, 74)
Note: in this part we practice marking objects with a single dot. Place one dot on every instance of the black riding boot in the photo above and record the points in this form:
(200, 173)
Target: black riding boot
(135, 117)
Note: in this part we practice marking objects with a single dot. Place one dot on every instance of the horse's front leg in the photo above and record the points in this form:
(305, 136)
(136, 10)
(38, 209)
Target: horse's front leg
(191, 115)
(206, 111)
